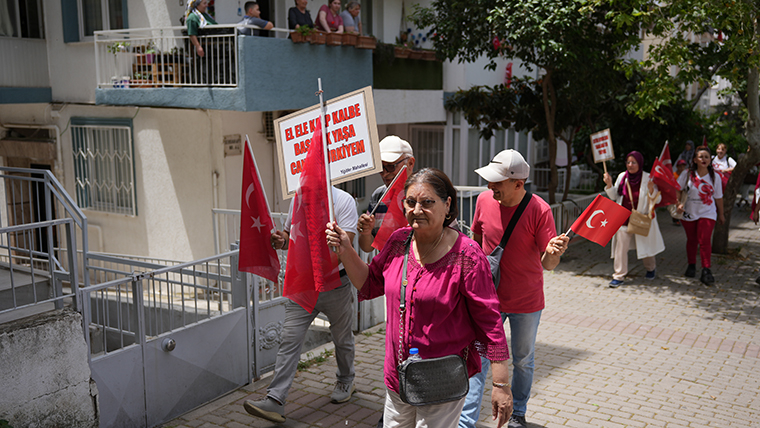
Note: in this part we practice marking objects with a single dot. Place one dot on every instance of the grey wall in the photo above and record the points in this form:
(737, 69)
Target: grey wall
(44, 374)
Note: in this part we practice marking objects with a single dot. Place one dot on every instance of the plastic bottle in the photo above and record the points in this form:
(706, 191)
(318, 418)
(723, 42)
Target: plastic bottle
(414, 355)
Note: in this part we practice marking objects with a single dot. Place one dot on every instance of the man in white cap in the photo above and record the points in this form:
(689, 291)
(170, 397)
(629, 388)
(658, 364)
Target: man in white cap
(394, 153)
(532, 247)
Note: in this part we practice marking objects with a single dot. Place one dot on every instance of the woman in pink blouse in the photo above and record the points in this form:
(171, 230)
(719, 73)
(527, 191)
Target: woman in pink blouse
(328, 17)
(452, 306)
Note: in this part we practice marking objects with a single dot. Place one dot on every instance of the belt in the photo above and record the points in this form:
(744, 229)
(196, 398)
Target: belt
(342, 273)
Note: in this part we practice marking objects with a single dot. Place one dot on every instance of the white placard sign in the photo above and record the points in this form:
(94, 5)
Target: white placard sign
(601, 146)
(354, 149)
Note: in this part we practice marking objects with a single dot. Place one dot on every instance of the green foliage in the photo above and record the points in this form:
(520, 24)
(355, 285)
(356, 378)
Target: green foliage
(5, 424)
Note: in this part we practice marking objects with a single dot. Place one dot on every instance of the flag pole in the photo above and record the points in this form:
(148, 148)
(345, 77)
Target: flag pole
(387, 189)
(604, 164)
(662, 153)
(327, 153)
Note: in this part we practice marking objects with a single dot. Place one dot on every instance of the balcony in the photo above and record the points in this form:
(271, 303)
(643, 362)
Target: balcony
(159, 67)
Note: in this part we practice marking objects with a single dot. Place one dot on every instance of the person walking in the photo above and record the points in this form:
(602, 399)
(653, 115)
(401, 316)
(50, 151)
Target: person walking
(532, 247)
(633, 190)
(336, 304)
(451, 306)
(703, 206)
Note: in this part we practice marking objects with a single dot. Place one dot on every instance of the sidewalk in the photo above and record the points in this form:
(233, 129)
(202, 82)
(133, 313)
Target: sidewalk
(664, 353)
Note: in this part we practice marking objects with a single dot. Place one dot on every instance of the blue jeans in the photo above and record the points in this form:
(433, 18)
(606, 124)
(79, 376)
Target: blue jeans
(523, 329)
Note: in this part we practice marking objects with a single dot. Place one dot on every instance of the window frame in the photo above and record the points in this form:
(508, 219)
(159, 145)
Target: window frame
(85, 168)
(72, 14)
(17, 20)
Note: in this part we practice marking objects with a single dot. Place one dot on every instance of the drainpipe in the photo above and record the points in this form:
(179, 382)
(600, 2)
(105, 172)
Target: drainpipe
(57, 169)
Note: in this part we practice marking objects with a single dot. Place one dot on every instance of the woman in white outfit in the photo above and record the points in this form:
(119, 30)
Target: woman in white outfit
(635, 179)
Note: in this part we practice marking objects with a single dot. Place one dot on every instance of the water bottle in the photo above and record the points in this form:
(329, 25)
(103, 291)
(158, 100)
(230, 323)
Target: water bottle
(414, 355)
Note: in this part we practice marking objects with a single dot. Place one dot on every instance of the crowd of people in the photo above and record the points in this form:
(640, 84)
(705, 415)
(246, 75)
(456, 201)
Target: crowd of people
(443, 296)
(330, 19)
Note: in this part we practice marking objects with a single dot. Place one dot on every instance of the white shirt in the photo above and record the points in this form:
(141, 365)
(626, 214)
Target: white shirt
(694, 208)
(723, 164)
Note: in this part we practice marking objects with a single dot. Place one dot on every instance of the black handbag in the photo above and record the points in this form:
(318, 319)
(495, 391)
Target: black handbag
(430, 381)
(494, 259)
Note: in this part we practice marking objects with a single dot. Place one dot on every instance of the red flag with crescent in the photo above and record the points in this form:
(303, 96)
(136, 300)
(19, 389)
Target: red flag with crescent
(256, 254)
(311, 266)
(599, 222)
(666, 183)
(394, 217)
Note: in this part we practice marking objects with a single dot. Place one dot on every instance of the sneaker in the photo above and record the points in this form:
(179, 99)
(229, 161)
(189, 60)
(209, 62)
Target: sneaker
(267, 408)
(707, 277)
(651, 274)
(691, 271)
(342, 392)
(615, 283)
(517, 421)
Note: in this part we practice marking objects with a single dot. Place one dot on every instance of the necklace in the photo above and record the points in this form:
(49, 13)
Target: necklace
(427, 253)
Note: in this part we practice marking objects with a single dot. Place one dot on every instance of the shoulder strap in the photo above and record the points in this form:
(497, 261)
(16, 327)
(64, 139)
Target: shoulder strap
(514, 219)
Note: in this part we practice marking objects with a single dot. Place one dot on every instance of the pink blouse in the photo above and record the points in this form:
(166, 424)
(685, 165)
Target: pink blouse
(451, 304)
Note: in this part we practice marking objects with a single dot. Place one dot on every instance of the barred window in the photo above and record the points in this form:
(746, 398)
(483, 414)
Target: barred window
(104, 165)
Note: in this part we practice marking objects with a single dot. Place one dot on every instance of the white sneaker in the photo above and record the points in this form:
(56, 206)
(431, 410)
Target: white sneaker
(267, 408)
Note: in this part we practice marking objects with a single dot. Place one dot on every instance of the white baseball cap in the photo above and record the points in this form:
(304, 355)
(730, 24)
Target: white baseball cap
(506, 164)
(393, 147)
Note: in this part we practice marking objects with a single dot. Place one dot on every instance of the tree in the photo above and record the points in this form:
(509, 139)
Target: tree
(702, 40)
(571, 42)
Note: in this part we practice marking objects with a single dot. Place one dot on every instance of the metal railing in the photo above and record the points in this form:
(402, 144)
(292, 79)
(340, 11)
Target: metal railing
(39, 232)
(581, 179)
(166, 57)
(145, 304)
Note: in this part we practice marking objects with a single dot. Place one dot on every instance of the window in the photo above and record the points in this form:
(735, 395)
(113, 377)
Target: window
(104, 165)
(99, 15)
(427, 144)
(21, 18)
(81, 18)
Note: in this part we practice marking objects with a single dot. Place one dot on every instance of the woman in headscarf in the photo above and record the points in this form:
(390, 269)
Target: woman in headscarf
(196, 19)
(634, 191)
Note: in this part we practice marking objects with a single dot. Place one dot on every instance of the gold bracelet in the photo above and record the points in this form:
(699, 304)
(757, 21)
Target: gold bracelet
(501, 385)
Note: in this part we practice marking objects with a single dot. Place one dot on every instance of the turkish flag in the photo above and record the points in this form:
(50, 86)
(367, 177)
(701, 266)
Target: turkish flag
(599, 222)
(665, 158)
(394, 217)
(311, 266)
(666, 182)
(256, 226)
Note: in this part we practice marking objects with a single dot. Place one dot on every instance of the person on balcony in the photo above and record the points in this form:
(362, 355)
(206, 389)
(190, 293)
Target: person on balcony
(298, 15)
(328, 18)
(196, 19)
(253, 17)
(352, 23)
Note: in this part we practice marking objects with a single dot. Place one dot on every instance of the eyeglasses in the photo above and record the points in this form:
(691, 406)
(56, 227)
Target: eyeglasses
(389, 169)
(426, 204)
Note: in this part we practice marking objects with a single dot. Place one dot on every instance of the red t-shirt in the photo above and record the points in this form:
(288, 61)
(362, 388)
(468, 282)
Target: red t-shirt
(521, 287)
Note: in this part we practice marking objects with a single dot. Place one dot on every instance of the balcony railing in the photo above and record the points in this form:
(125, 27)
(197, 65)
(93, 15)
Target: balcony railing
(165, 57)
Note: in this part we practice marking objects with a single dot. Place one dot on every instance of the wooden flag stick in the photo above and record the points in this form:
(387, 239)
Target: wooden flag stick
(604, 163)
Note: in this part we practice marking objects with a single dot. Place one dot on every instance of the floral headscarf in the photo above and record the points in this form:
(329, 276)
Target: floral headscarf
(192, 8)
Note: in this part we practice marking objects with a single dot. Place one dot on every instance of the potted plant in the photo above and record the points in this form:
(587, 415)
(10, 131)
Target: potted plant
(141, 81)
(333, 39)
(318, 38)
(429, 55)
(148, 53)
(349, 39)
(401, 51)
(366, 42)
(301, 34)
(415, 54)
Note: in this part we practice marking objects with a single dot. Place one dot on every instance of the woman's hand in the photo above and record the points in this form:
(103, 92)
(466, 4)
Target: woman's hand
(501, 404)
(607, 180)
(366, 224)
(337, 238)
(650, 185)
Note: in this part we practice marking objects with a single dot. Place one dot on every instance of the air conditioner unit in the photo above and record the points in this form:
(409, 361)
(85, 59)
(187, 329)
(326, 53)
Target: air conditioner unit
(268, 124)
